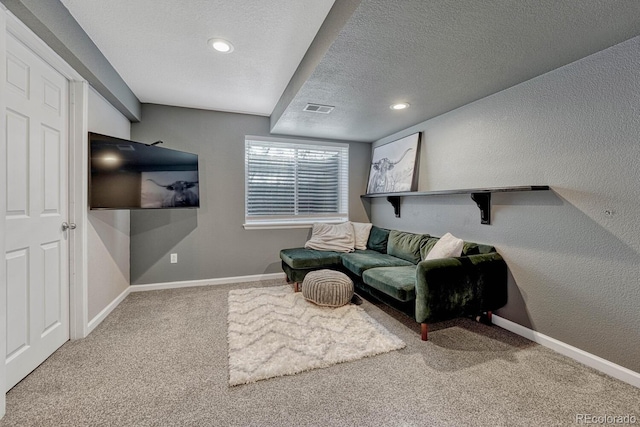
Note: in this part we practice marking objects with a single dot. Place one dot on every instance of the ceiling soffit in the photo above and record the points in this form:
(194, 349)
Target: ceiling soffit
(441, 55)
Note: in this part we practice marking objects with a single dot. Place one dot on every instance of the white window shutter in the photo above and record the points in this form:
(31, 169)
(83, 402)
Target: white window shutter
(296, 181)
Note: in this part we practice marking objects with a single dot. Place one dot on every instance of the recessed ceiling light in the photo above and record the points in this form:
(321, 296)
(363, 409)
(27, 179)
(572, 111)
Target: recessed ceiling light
(221, 45)
(399, 106)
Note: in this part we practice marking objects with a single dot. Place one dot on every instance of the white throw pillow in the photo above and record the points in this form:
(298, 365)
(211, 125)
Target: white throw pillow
(331, 237)
(362, 230)
(447, 247)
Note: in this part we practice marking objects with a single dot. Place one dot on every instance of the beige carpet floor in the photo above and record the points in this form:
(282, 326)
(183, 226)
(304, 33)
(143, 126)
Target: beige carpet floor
(160, 359)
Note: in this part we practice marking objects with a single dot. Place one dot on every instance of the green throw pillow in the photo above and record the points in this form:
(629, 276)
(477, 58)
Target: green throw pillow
(378, 238)
(406, 245)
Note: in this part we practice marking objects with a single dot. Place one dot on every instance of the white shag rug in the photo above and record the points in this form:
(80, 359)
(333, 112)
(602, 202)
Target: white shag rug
(274, 331)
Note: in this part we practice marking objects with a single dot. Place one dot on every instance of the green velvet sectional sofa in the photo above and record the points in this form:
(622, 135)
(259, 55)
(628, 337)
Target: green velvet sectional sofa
(391, 269)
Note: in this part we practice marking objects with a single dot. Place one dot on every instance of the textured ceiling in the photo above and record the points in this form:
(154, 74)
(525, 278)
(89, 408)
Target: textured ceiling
(437, 55)
(440, 55)
(159, 47)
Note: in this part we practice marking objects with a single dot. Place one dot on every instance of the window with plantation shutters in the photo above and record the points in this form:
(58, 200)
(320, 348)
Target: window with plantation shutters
(291, 183)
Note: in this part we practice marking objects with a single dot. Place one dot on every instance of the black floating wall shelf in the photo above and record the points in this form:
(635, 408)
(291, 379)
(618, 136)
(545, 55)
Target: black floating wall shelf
(482, 197)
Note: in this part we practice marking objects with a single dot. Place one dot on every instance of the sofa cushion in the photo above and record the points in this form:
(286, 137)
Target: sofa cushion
(406, 245)
(331, 237)
(302, 258)
(362, 231)
(397, 282)
(471, 248)
(426, 248)
(378, 238)
(448, 246)
(360, 261)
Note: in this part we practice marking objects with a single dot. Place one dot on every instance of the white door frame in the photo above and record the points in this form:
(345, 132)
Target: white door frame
(3, 212)
(78, 173)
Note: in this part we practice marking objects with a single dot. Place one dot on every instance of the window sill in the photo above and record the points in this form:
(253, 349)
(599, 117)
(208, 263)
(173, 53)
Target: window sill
(278, 225)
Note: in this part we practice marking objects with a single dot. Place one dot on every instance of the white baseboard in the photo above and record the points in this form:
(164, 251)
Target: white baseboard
(206, 282)
(108, 309)
(591, 360)
(173, 285)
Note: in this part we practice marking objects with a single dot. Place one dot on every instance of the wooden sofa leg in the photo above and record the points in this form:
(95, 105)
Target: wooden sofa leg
(489, 313)
(296, 287)
(424, 330)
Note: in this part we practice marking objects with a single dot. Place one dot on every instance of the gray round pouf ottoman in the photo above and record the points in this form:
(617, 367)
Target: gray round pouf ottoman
(327, 287)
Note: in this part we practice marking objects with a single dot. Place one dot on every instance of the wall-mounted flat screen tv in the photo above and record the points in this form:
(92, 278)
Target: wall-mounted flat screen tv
(131, 175)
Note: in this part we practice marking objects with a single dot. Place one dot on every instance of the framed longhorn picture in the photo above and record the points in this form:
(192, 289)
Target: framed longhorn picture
(393, 166)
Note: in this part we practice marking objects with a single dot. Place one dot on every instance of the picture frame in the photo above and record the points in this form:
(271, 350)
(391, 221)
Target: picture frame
(393, 166)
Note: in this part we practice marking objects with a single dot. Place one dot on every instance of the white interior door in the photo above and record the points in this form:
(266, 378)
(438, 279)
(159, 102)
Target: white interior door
(37, 249)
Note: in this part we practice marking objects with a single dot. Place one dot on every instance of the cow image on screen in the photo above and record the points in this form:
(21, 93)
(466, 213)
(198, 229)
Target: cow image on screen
(170, 189)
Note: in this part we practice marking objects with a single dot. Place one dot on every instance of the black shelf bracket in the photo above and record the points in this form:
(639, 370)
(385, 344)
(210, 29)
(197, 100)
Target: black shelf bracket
(483, 200)
(395, 202)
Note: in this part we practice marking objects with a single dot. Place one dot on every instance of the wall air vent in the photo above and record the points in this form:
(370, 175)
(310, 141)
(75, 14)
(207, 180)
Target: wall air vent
(317, 108)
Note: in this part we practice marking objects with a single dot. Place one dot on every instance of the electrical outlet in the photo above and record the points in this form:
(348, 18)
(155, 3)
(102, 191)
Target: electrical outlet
(174, 258)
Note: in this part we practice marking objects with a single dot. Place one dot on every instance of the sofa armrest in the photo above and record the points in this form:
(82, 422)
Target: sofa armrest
(452, 287)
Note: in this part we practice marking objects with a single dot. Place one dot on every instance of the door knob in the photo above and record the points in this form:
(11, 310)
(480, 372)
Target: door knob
(66, 226)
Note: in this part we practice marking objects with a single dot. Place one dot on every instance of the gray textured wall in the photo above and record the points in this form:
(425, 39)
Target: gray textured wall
(575, 268)
(107, 231)
(210, 241)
